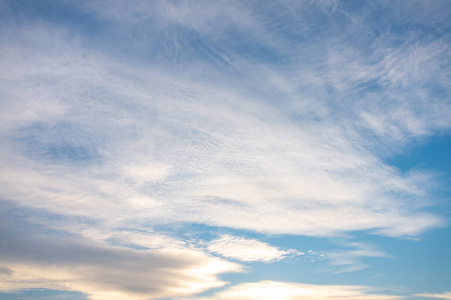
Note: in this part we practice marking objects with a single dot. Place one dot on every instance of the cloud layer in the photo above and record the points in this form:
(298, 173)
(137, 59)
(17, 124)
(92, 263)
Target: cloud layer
(61, 261)
(120, 118)
(272, 290)
(167, 150)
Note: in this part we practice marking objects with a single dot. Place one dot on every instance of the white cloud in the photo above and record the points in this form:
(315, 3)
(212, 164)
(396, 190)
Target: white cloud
(273, 290)
(249, 250)
(128, 144)
(235, 117)
(165, 149)
(32, 259)
(352, 260)
(439, 296)
(146, 172)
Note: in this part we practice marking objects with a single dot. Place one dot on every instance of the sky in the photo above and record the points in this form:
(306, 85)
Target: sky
(225, 150)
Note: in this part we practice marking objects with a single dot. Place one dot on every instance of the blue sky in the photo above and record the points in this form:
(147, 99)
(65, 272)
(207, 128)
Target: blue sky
(193, 150)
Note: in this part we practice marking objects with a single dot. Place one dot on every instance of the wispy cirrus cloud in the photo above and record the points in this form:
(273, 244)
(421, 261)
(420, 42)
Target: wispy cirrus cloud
(273, 118)
(169, 150)
(296, 291)
(352, 259)
(248, 250)
(438, 296)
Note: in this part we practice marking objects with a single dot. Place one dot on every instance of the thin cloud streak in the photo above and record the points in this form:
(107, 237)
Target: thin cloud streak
(352, 260)
(248, 250)
(273, 290)
(438, 296)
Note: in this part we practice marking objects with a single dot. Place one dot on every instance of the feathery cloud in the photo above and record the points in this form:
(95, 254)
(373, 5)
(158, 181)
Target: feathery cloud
(248, 250)
(439, 296)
